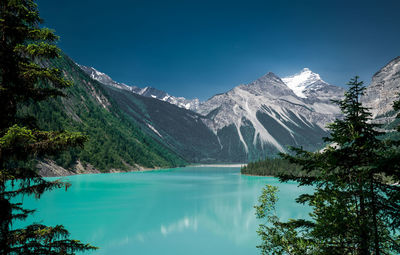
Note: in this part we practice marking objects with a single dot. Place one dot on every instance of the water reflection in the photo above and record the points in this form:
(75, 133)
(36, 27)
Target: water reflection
(179, 226)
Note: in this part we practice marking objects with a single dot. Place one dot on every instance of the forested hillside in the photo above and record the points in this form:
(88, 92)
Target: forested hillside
(183, 130)
(114, 141)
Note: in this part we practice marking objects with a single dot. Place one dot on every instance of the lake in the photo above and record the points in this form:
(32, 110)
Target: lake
(191, 210)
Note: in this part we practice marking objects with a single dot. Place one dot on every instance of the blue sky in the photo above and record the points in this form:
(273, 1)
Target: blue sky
(200, 48)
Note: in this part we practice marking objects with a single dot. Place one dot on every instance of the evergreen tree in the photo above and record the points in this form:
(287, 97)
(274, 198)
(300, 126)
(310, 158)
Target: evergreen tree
(25, 77)
(356, 207)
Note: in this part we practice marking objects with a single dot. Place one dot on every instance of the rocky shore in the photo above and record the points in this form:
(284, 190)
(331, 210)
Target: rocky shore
(49, 168)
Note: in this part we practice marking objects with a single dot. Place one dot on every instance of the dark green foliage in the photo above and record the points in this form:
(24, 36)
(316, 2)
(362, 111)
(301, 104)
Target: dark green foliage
(355, 209)
(40, 239)
(24, 79)
(279, 238)
(271, 167)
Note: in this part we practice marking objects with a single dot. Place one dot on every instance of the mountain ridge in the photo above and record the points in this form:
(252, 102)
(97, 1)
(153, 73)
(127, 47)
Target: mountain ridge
(262, 117)
(246, 123)
(147, 91)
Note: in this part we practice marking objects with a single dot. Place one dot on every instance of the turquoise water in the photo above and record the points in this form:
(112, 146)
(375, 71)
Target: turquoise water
(192, 210)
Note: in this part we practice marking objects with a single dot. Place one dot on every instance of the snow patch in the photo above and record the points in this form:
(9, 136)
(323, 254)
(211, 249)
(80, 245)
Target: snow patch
(154, 130)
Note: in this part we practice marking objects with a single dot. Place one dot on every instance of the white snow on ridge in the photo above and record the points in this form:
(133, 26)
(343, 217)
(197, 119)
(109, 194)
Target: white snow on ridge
(299, 82)
(142, 91)
(189, 104)
(98, 73)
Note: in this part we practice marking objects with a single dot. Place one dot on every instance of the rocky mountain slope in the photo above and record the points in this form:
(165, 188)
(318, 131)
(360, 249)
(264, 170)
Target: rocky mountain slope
(383, 91)
(268, 115)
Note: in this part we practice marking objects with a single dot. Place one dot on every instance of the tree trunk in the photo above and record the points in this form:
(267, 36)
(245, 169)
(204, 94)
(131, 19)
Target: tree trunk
(374, 218)
(5, 220)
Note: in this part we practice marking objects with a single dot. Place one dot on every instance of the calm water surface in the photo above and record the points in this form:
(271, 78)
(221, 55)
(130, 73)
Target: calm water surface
(191, 210)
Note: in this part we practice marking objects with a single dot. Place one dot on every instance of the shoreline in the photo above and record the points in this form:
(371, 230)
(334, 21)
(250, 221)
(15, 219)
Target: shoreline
(70, 173)
(53, 170)
(219, 165)
(49, 168)
(258, 175)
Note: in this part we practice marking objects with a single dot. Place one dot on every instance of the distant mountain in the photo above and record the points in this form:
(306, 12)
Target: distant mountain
(383, 91)
(182, 102)
(268, 115)
(189, 104)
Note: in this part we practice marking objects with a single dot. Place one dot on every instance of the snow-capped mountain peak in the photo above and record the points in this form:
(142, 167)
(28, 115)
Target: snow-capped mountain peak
(301, 81)
(189, 104)
(105, 79)
(96, 75)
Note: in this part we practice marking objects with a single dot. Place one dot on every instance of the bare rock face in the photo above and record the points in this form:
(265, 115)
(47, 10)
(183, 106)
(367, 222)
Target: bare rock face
(383, 91)
(49, 168)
